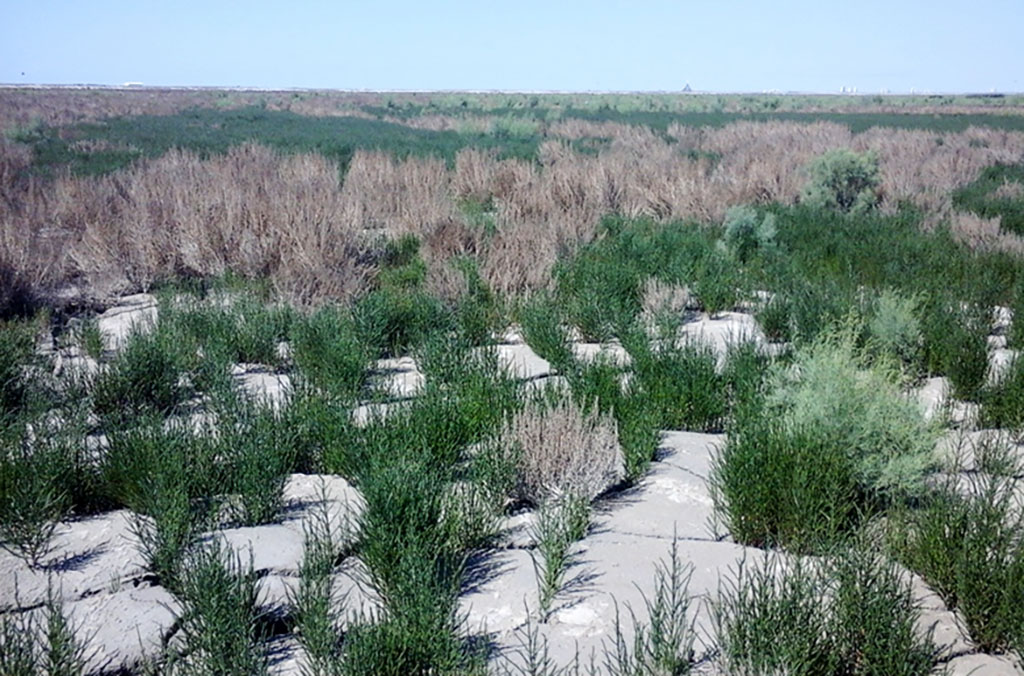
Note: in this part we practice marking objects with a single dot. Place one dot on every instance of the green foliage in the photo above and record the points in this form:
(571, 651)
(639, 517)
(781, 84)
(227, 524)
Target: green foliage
(328, 351)
(210, 131)
(957, 344)
(221, 620)
(541, 320)
(747, 233)
(843, 180)
(774, 486)
(478, 312)
(895, 331)
(1002, 403)
(44, 643)
(968, 548)
(412, 565)
(859, 407)
(17, 340)
(559, 524)
(257, 455)
(39, 470)
(145, 378)
(398, 315)
(168, 477)
(717, 283)
(314, 605)
(850, 614)
(681, 384)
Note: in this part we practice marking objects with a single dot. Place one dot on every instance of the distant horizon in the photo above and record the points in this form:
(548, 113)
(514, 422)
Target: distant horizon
(691, 91)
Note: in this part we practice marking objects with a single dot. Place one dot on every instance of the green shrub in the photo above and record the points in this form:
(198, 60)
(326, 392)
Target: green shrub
(747, 233)
(774, 485)
(1002, 403)
(559, 524)
(314, 605)
(171, 479)
(597, 289)
(968, 548)
(145, 378)
(894, 329)
(860, 407)
(843, 180)
(33, 644)
(717, 283)
(541, 320)
(393, 321)
(413, 566)
(851, 614)
(43, 475)
(17, 341)
(257, 455)
(776, 318)
(681, 384)
(328, 351)
(478, 313)
(664, 643)
(221, 624)
(962, 351)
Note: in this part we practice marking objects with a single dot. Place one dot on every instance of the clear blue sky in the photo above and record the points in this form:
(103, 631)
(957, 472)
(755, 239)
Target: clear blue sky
(723, 45)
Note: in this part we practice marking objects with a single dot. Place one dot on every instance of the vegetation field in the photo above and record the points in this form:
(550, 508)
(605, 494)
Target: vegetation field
(445, 383)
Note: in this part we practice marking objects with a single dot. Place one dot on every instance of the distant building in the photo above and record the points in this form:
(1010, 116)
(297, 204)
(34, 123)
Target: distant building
(687, 89)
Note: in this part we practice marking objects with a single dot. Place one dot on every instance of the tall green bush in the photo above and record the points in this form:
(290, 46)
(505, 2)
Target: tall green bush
(843, 180)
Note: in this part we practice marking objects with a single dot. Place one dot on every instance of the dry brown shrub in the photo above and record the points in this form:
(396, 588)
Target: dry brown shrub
(925, 168)
(250, 211)
(561, 450)
(660, 298)
(1008, 190)
(984, 234)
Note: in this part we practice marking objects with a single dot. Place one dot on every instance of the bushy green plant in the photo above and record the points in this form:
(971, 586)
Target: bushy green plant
(775, 318)
(894, 329)
(968, 548)
(1002, 403)
(830, 388)
(774, 485)
(681, 383)
(328, 351)
(843, 180)
(541, 320)
(315, 607)
(746, 232)
(414, 568)
(257, 455)
(478, 312)
(717, 283)
(39, 471)
(44, 643)
(146, 377)
(16, 343)
(393, 320)
(848, 615)
(169, 477)
(560, 523)
(961, 350)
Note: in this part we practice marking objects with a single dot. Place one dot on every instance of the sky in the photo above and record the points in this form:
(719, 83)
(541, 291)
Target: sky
(564, 45)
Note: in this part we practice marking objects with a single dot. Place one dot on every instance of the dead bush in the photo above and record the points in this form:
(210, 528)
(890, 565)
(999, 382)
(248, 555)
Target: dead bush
(561, 450)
